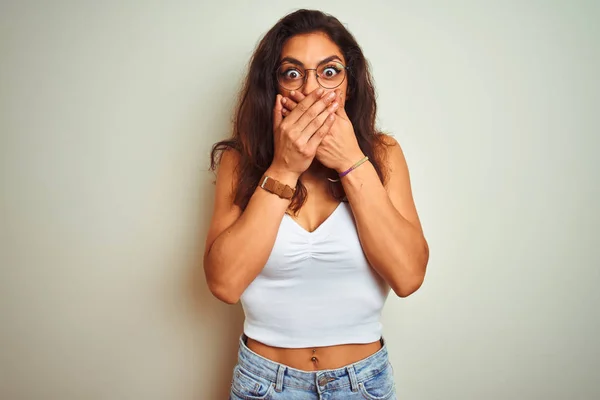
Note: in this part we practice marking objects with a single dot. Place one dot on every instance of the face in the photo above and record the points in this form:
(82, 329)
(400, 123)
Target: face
(313, 51)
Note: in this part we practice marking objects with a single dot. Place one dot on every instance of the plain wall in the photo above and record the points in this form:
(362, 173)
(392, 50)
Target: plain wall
(108, 111)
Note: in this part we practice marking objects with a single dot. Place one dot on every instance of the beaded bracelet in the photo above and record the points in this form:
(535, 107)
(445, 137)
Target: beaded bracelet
(346, 172)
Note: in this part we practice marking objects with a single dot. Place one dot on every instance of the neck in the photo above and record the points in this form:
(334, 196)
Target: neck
(316, 172)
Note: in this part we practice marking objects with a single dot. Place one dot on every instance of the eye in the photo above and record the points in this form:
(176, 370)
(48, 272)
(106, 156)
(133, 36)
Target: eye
(291, 74)
(330, 71)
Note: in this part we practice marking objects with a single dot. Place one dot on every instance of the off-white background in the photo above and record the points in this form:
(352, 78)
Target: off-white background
(108, 111)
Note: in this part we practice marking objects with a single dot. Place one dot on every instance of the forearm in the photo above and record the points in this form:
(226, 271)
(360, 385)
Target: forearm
(395, 248)
(240, 252)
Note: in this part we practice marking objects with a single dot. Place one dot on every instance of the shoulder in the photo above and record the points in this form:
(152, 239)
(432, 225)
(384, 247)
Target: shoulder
(388, 144)
(227, 162)
(225, 155)
(228, 171)
(391, 156)
(230, 159)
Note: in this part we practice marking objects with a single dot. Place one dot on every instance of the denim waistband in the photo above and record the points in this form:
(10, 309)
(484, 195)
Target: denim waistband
(327, 379)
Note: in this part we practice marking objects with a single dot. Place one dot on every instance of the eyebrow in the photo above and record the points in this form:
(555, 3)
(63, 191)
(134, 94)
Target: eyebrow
(301, 64)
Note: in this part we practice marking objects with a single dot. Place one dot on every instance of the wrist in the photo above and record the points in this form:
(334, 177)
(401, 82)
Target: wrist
(349, 162)
(287, 177)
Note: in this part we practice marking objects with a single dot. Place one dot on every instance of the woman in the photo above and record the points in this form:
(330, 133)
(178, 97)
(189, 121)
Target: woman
(314, 220)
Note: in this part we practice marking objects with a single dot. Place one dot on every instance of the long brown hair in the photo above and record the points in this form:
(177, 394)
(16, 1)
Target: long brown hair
(253, 123)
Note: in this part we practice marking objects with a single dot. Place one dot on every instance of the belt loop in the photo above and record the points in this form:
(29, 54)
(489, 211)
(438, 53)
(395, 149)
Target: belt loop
(353, 380)
(280, 373)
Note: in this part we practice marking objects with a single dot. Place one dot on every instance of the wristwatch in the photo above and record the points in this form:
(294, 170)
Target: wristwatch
(280, 189)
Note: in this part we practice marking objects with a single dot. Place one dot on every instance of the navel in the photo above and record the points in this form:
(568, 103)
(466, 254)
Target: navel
(314, 359)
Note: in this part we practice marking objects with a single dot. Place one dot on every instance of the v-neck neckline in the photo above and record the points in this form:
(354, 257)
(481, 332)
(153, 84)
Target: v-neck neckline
(318, 228)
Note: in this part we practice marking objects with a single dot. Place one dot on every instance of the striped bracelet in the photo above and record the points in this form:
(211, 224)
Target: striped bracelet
(346, 172)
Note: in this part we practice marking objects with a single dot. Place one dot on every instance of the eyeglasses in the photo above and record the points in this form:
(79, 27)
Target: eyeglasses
(329, 75)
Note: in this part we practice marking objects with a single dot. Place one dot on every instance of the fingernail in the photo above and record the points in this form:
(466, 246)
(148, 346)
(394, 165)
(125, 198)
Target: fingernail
(283, 100)
(332, 95)
(334, 106)
(320, 92)
(292, 93)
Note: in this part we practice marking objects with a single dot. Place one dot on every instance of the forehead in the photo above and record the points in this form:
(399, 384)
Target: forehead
(310, 48)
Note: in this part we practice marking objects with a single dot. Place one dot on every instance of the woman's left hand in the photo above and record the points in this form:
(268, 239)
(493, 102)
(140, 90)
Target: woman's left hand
(339, 149)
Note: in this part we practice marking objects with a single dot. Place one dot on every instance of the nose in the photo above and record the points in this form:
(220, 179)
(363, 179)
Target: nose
(311, 82)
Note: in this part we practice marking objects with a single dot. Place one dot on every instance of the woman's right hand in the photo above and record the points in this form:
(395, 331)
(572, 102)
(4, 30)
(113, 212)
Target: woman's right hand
(298, 135)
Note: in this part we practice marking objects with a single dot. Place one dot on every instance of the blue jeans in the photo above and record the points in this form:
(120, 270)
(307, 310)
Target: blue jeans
(257, 378)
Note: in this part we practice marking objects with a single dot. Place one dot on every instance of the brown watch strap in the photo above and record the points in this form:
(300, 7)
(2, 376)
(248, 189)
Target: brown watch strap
(280, 189)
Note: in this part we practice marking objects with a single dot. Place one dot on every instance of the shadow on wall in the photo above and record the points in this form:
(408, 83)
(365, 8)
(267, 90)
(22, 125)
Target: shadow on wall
(220, 324)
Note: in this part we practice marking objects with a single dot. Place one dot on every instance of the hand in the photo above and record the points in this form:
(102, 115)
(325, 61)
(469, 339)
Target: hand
(339, 148)
(297, 137)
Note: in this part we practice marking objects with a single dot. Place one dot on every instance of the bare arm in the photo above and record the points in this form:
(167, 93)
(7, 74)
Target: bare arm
(387, 222)
(239, 243)
(386, 217)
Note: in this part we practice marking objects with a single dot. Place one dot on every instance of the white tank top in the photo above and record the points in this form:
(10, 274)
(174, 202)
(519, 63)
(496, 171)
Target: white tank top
(316, 289)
